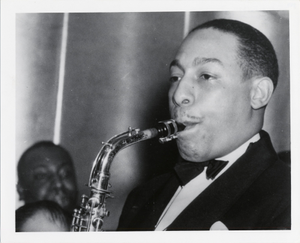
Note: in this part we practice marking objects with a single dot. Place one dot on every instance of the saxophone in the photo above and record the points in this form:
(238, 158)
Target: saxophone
(89, 217)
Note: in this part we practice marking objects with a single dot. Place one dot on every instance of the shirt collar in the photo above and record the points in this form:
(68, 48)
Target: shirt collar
(235, 154)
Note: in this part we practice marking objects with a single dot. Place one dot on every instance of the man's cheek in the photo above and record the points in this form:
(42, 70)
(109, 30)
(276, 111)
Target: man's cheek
(42, 192)
(70, 184)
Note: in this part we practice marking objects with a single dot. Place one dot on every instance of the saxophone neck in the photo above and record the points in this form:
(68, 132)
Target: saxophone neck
(93, 210)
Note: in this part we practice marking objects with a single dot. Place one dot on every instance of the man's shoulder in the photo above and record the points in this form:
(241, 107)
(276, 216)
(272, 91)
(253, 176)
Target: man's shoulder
(139, 196)
(277, 176)
(276, 170)
(152, 184)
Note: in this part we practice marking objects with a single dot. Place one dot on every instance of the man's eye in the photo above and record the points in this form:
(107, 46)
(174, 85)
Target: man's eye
(40, 176)
(174, 79)
(206, 76)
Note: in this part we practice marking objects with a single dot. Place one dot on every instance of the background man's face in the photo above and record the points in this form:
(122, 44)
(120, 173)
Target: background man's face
(49, 175)
(208, 95)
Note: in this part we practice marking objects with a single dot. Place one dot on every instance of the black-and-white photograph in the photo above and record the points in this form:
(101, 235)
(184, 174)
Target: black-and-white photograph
(155, 122)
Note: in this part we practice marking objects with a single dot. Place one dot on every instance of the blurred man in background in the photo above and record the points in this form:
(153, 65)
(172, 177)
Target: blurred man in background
(46, 172)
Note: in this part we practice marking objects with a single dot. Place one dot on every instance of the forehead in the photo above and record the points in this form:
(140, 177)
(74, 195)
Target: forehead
(52, 156)
(208, 43)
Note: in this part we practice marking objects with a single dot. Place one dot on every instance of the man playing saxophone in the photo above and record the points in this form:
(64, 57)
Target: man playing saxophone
(229, 175)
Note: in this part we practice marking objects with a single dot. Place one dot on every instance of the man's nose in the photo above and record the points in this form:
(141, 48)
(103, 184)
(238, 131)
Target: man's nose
(183, 93)
(57, 181)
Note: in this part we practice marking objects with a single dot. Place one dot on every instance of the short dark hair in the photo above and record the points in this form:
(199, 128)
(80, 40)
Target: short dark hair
(257, 55)
(51, 209)
(39, 146)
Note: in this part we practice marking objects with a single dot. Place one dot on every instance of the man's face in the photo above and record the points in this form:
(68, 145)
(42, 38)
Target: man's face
(209, 95)
(49, 175)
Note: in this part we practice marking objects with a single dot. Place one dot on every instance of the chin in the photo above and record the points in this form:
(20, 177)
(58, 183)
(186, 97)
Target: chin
(188, 154)
(194, 152)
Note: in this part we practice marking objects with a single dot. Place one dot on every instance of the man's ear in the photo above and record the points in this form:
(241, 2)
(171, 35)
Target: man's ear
(20, 190)
(261, 92)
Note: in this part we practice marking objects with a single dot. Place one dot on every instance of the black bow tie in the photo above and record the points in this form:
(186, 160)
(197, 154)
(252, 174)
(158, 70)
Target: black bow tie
(186, 171)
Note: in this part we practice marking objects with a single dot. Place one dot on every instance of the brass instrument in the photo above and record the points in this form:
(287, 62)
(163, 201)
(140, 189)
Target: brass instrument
(89, 217)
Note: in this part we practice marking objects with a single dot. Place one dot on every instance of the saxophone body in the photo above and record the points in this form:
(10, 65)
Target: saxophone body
(92, 211)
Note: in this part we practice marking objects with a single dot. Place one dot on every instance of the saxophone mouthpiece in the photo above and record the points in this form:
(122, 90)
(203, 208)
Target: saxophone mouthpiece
(167, 130)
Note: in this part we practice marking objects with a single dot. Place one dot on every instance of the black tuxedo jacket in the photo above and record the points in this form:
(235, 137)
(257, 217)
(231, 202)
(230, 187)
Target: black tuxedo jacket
(253, 194)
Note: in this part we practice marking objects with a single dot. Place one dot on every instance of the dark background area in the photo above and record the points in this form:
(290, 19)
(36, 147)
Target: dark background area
(116, 76)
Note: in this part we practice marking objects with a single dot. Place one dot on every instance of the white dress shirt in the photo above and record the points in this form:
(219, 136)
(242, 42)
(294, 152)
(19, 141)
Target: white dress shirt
(186, 194)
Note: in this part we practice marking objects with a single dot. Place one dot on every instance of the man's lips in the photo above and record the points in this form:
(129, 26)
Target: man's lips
(186, 121)
(180, 126)
(190, 125)
(186, 125)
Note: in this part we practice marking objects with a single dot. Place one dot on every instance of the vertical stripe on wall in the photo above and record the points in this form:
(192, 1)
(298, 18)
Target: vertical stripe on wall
(186, 27)
(61, 77)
